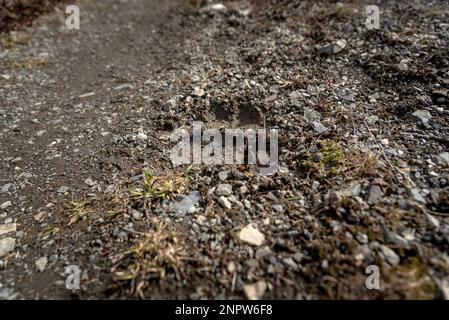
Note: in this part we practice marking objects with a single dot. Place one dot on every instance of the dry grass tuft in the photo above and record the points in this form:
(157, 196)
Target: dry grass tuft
(157, 253)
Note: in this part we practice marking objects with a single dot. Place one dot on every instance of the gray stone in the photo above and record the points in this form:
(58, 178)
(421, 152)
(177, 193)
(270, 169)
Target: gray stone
(346, 96)
(5, 205)
(414, 192)
(290, 263)
(375, 194)
(187, 203)
(63, 189)
(421, 117)
(224, 202)
(391, 256)
(361, 237)
(223, 189)
(5, 188)
(311, 115)
(137, 215)
(170, 105)
(263, 252)
(141, 136)
(333, 48)
(318, 127)
(223, 175)
(443, 158)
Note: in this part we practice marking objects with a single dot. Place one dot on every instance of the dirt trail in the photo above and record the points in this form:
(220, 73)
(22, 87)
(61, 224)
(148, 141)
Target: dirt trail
(64, 96)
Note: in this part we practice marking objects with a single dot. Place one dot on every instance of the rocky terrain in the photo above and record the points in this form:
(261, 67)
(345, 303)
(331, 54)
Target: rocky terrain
(86, 178)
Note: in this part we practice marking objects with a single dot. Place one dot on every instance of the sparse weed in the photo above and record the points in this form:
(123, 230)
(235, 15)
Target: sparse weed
(158, 252)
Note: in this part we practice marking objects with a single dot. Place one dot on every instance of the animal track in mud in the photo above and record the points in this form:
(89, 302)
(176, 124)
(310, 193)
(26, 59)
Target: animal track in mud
(242, 115)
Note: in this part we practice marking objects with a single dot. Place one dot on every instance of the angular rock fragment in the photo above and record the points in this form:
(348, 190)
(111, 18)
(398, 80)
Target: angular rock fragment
(7, 228)
(255, 291)
(421, 117)
(251, 236)
(333, 48)
(6, 246)
(41, 263)
(225, 203)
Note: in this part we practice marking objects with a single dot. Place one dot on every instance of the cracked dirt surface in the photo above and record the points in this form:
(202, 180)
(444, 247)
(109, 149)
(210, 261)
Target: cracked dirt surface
(86, 177)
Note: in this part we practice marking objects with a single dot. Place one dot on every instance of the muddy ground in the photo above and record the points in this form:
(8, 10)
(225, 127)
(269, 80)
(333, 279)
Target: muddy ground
(86, 178)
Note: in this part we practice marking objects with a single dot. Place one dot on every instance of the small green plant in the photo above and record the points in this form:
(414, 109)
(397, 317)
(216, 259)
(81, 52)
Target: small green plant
(79, 210)
(148, 190)
(333, 154)
(331, 158)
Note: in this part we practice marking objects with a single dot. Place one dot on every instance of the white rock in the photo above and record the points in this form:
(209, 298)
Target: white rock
(215, 7)
(231, 267)
(255, 291)
(6, 246)
(89, 94)
(5, 205)
(224, 202)
(198, 92)
(7, 228)
(201, 219)
(89, 182)
(391, 256)
(443, 158)
(141, 136)
(41, 263)
(124, 86)
(251, 236)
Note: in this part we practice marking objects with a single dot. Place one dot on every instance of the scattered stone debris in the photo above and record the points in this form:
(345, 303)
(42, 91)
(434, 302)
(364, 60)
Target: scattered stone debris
(363, 137)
